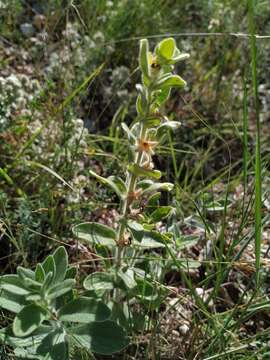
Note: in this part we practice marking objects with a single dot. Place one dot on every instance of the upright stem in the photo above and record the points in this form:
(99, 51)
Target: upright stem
(131, 186)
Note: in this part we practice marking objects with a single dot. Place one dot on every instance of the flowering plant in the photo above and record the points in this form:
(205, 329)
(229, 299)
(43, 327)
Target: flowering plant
(136, 229)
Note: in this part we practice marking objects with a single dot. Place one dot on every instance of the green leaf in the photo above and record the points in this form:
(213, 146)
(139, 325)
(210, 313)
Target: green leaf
(162, 96)
(119, 190)
(71, 273)
(119, 183)
(100, 337)
(60, 289)
(11, 302)
(49, 265)
(178, 56)
(145, 183)
(128, 278)
(170, 81)
(142, 105)
(39, 273)
(153, 202)
(140, 171)
(28, 320)
(95, 233)
(157, 187)
(161, 213)
(13, 284)
(7, 337)
(25, 273)
(61, 263)
(84, 310)
(136, 230)
(139, 105)
(28, 353)
(53, 346)
(151, 121)
(151, 240)
(144, 58)
(99, 281)
(28, 279)
(166, 48)
(33, 297)
(47, 282)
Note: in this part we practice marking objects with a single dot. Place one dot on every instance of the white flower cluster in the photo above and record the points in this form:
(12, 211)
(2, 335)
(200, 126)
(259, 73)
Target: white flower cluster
(120, 79)
(74, 51)
(16, 92)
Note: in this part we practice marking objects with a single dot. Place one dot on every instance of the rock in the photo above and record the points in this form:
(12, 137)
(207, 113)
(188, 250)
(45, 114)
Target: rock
(27, 30)
(184, 329)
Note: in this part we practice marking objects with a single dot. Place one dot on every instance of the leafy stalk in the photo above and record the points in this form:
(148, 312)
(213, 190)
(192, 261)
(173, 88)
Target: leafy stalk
(149, 130)
(157, 81)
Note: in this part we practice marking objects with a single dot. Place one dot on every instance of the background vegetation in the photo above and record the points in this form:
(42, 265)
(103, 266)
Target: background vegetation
(68, 71)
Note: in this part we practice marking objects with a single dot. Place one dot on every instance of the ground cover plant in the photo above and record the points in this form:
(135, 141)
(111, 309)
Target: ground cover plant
(163, 228)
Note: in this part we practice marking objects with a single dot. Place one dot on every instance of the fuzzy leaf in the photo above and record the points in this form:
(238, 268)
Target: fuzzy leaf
(128, 278)
(39, 273)
(7, 337)
(160, 213)
(99, 281)
(71, 272)
(49, 265)
(47, 282)
(28, 320)
(178, 56)
(144, 59)
(53, 346)
(163, 96)
(84, 310)
(100, 337)
(166, 48)
(61, 263)
(140, 171)
(136, 230)
(157, 187)
(13, 284)
(118, 186)
(170, 81)
(95, 233)
(60, 289)
(25, 273)
(151, 240)
(11, 302)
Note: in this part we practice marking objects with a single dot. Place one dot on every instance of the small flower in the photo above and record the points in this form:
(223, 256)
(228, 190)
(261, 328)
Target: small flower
(146, 146)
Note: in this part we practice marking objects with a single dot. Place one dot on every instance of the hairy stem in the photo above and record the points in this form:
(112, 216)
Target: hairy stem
(131, 187)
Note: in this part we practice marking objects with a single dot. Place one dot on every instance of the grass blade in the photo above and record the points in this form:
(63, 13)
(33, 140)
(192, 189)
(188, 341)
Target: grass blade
(258, 185)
